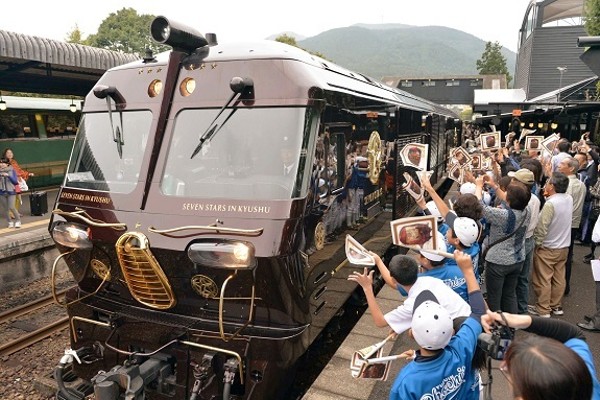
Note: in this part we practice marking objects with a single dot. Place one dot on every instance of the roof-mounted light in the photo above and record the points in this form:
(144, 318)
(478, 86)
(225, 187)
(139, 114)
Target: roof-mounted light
(176, 35)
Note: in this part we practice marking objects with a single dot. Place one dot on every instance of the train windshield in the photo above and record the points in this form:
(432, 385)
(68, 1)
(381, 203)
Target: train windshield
(100, 163)
(257, 153)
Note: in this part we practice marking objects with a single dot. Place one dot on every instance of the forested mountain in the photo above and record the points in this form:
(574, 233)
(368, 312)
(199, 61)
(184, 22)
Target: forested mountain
(401, 50)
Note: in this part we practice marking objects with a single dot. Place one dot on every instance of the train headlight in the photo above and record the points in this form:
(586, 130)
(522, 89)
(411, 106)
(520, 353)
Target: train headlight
(223, 254)
(187, 87)
(155, 88)
(72, 235)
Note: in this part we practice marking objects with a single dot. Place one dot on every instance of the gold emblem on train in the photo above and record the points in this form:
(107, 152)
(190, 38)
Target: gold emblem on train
(101, 270)
(204, 286)
(146, 280)
(320, 233)
(374, 154)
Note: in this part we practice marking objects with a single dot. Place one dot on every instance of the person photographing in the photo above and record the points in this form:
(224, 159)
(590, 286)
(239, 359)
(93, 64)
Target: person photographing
(555, 363)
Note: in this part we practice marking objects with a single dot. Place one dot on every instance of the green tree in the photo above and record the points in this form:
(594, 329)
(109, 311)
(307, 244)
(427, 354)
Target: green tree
(591, 17)
(287, 39)
(492, 62)
(127, 32)
(75, 36)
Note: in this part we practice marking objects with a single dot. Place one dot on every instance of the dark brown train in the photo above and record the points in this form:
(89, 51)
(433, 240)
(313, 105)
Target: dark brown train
(201, 190)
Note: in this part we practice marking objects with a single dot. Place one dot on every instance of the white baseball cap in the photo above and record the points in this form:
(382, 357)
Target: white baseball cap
(431, 326)
(440, 246)
(466, 230)
(434, 210)
(468, 187)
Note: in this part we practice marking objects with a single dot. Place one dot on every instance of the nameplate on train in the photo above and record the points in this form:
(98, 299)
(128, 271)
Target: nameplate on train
(85, 198)
(235, 208)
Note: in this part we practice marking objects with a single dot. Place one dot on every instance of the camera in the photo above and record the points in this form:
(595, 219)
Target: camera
(496, 343)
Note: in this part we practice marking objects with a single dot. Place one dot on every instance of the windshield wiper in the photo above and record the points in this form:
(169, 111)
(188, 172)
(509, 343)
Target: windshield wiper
(241, 87)
(111, 92)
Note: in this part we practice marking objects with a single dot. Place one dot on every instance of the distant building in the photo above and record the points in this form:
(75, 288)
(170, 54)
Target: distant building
(448, 91)
(548, 55)
(497, 101)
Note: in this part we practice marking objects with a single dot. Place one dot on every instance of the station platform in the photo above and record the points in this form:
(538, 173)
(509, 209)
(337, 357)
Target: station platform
(27, 253)
(29, 222)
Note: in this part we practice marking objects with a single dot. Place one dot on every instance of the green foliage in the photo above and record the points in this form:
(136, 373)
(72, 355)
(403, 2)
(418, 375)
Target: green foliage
(287, 40)
(591, 17)
(127, 32)
(75, 36)
(492, 62)
(292, 42)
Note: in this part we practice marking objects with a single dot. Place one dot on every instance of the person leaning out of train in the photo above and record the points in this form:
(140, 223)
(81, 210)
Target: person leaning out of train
(555, 363)
(403, 273)
(443, 366)
(21, 173)
(8, 181)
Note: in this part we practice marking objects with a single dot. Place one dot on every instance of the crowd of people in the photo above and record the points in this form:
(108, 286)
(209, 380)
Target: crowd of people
(512, 226)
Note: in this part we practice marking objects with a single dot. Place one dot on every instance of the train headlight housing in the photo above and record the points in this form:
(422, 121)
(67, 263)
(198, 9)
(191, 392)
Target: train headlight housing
(155, 88)
(72, 235)
(187, 87)
(223, 254)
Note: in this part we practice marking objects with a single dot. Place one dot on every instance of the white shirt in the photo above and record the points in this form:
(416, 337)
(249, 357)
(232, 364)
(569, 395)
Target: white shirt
(596, 232)
(533, 207)
(400, 319)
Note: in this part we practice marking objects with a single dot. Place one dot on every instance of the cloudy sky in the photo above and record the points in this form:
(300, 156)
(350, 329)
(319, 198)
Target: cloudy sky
(490, 20)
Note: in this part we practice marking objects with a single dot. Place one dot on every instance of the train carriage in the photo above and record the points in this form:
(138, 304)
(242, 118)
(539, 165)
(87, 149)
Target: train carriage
(202, 189)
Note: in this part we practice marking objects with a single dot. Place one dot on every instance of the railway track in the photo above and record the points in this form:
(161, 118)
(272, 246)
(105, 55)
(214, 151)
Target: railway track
(34, 336)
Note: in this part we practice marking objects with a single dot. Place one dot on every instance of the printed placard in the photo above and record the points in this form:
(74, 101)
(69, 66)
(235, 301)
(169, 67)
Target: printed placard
(415, 155)
(412, 187)
(550, 142)
(461, 157)
(356, 253)
(415, 232)
(456, 173)
(534, 143)
(490, 141)
(360, 368)
(526, 132)
(477, 162)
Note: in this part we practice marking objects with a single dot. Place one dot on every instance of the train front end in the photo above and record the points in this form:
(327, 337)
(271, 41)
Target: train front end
(181, 218)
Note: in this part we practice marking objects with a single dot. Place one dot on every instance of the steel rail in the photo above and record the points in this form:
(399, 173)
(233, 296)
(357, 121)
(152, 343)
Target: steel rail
(33, 337)
(29, 307)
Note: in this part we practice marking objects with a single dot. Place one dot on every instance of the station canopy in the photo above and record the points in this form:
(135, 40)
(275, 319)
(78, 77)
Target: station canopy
(39, 65)
(556, 10)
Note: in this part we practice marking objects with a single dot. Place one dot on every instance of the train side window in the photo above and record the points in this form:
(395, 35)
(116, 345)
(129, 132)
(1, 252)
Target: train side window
(13, 126)
(60, 125)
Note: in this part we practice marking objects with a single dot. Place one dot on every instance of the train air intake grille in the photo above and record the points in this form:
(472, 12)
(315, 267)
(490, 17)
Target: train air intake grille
(145, 279)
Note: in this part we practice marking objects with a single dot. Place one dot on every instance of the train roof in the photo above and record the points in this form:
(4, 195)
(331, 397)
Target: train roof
(326, 74)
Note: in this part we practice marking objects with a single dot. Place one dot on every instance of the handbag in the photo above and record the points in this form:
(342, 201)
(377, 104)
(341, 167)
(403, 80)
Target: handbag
(22, 185)
(17, 188)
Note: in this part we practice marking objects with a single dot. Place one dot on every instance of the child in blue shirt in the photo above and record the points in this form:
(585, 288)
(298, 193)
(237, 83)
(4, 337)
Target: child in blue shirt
(443, 366)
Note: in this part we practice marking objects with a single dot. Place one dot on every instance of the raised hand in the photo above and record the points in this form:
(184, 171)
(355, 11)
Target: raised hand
(463, 261)
(365, 280)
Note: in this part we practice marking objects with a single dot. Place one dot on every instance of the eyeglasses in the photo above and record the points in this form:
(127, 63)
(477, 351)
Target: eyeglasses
(504, 369)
